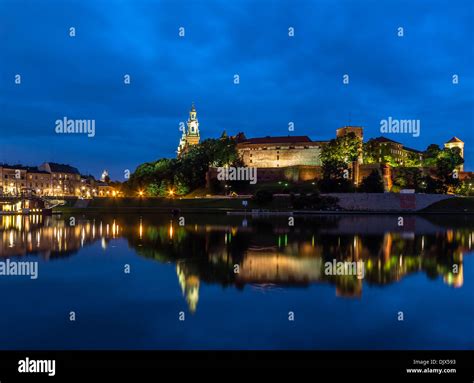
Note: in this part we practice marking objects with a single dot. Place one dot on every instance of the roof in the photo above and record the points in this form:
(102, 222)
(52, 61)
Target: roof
(62, 168)
(7, 166)
(29, 169)
(34, 169)
(453, 140)
(277, 140)
(385, 139)
(412, 150)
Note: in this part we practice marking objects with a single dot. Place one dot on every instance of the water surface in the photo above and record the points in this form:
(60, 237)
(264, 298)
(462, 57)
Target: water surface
(130, 279)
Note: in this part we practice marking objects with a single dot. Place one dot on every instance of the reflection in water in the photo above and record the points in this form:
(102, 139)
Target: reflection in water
(260, 252)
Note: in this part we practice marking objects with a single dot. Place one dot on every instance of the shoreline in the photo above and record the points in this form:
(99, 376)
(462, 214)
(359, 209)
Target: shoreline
(348, 204)
(224, 211)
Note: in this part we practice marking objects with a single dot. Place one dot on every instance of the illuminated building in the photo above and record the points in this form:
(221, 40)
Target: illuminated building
(191, 135)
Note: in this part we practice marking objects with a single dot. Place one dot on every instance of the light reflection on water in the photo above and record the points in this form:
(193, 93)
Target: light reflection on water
(262, 253)
(271, 259)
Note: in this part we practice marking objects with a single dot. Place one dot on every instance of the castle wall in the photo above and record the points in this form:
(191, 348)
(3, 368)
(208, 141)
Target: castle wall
(265, 156)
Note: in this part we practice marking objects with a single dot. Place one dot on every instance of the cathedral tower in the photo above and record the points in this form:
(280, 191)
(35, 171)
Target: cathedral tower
(191, 136)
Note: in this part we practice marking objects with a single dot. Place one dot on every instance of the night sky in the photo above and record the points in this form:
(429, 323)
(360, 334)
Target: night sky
(282, 78)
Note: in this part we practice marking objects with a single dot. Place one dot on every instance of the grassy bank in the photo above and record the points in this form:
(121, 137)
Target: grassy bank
(133, 205)
(458, 205)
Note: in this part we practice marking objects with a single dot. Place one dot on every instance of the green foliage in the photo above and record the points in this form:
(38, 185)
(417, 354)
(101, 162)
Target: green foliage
(336, 156)
(430, 156)
(373, 183)
(409, 178)
(466, 188)
(395, 189)
(343, 149)
(447, 162)
(184, 174)
(371, 152)
(375, 152)
(412, 160)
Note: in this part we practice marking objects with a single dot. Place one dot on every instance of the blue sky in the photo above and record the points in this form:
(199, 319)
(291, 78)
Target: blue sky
(282, 78)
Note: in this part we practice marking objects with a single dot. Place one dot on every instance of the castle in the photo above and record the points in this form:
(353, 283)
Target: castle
(298, 158)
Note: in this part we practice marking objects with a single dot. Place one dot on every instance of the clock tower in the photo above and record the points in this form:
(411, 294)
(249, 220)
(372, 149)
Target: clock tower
(191, 136)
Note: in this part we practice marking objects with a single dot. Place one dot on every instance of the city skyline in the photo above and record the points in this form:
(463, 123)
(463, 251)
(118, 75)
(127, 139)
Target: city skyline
(282, 78)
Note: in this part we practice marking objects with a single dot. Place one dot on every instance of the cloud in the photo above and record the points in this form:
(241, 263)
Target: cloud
(282, 79)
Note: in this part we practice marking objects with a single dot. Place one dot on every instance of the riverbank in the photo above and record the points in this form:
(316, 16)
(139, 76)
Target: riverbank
(383, 203)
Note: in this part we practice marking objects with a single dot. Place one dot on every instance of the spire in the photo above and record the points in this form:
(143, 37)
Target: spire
(192, 112)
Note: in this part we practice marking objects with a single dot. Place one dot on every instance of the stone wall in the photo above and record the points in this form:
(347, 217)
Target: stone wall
(290, 173)
(264, 156)
(387, 201)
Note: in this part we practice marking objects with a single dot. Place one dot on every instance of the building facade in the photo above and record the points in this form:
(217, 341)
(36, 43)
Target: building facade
(396, 150)
(38, 181)
(65, 179)
(276, 152)
(12, 179)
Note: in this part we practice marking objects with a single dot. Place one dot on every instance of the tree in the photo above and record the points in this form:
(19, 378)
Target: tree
(466, 187)
(430, 156)
(409, 178)
(371, 152)
(342, 149)
(336, 156)
(186, 173)
(412, 160)
(448, 160)
(373, 183)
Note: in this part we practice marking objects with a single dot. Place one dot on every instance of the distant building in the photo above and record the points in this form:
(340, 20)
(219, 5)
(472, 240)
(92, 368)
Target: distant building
(65, 179)
(456, 143)
(38, 181)
(12, 179)
(52, 179)
(274, 152)
(345, 130)
(191, 135)
(396, 150)
(103, 189)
